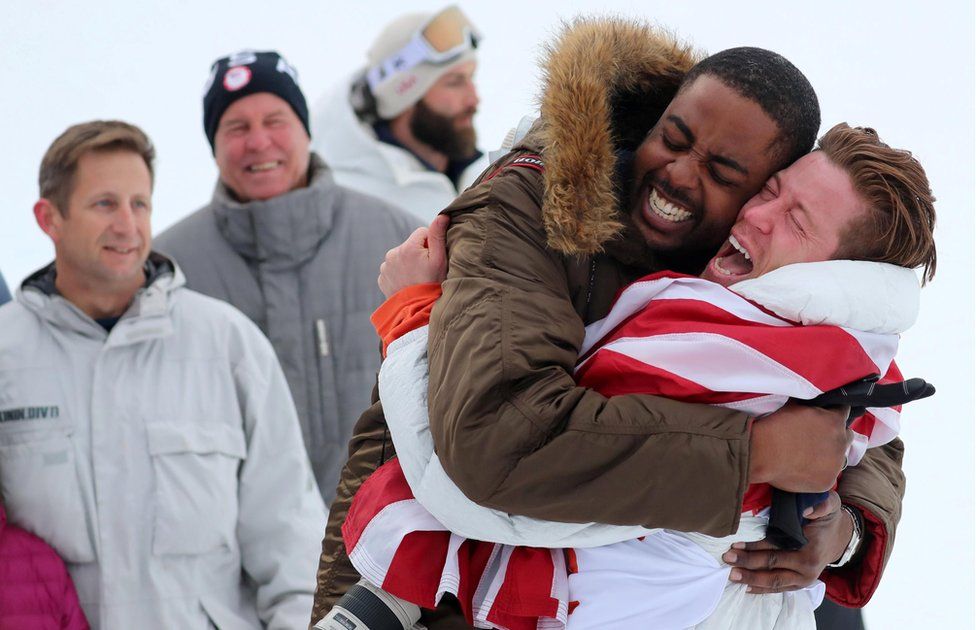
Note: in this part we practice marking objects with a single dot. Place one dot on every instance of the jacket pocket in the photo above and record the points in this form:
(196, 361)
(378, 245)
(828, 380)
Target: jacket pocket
(195, 468)
(42, 492)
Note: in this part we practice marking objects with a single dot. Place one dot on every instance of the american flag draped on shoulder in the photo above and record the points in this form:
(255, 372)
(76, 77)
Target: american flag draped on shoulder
(669, 335)
(693, 340)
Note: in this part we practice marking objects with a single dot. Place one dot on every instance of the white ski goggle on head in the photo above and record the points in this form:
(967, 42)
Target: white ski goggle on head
(441, 39)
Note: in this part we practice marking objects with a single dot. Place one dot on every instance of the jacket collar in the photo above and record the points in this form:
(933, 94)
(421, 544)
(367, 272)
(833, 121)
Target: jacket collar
(605, 83)
(866, 296)
(286, 230)
(147, 315)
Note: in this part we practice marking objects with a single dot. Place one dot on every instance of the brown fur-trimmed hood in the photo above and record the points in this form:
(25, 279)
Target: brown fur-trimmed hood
(606, 81)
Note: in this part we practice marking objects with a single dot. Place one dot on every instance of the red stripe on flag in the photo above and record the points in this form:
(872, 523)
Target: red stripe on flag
(473, 557)
(385, 486)
(526, 593)
(757, 497)
(415, 572)
(864, 425)
(571, 563)
(893, 375)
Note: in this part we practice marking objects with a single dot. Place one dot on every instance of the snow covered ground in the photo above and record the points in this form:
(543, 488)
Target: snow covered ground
(908, 72)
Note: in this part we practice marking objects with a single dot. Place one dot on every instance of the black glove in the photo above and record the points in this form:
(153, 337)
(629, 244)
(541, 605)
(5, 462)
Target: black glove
(867, 393)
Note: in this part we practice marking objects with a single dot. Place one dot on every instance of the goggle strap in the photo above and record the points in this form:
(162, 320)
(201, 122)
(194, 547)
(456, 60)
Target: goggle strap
(414, 53)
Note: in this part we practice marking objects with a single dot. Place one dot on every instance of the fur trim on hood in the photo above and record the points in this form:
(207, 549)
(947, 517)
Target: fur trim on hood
(606, 81)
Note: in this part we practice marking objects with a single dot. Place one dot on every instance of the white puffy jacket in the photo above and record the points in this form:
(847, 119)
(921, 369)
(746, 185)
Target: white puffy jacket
(162, 460)
(361, 162)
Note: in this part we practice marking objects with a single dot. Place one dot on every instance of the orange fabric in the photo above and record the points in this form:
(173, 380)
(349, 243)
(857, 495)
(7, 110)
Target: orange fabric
(407, 309)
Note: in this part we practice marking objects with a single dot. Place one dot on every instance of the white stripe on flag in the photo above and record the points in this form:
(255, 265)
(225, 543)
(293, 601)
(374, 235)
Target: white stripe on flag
(887, 427)
(560, 591)
(857, 448)
(732, 366)
(758, 406)
(637, 295)
(451, 575)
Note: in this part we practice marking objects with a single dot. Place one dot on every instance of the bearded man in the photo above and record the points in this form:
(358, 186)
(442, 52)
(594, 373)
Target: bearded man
(402, 128)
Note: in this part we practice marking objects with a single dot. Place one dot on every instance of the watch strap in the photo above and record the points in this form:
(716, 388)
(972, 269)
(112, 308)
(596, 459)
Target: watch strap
(855, 543)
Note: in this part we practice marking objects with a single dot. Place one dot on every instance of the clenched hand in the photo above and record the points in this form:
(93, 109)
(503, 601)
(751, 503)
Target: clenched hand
(420, 259)
(800, 449)
(767, 569)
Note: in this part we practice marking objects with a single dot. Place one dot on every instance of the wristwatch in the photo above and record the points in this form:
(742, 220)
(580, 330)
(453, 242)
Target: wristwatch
(855, 543)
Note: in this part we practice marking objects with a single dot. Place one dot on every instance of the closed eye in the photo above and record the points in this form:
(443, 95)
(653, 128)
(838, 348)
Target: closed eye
(719, 179)
(671, 144)
(796, 222)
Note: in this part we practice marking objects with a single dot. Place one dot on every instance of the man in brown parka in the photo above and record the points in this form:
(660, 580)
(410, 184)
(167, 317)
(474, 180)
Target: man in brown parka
(538, 249)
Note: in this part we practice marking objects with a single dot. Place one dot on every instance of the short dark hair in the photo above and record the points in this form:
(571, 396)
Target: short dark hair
(777, 86)
(60, 162)
(899, 225)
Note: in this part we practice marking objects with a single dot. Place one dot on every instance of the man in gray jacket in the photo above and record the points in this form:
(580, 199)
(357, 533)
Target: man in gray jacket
(146, 431)
(295, 252)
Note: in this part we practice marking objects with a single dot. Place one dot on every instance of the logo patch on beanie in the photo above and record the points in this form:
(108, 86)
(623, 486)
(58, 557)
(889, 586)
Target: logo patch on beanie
(236, 78)
(286, 68)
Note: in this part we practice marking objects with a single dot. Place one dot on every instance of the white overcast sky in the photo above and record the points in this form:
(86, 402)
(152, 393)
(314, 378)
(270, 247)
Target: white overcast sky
(904, 68)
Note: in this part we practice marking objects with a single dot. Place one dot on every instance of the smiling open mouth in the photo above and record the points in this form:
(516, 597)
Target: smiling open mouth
(733, 259)
(664, 209)
(263, 166)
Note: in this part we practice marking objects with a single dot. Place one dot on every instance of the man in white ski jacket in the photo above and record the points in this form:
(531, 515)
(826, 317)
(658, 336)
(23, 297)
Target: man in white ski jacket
(402, 127)
(147, 431)
(294, 251)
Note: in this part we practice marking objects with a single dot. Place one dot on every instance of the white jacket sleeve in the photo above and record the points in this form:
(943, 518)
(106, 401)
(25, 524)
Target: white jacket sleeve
(403, 390)
(282, 516)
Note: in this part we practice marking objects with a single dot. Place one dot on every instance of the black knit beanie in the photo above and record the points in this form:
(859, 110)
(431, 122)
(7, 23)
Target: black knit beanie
(245, 73)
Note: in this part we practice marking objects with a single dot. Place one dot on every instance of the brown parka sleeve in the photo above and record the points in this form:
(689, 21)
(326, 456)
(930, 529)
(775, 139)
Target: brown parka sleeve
(510, 425)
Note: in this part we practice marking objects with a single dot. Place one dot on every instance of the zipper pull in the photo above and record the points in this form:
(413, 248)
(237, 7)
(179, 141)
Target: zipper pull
(322, 337)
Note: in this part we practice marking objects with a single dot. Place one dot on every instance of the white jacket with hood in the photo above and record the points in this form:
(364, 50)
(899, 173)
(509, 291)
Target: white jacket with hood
(362, 162)
(163, 460)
